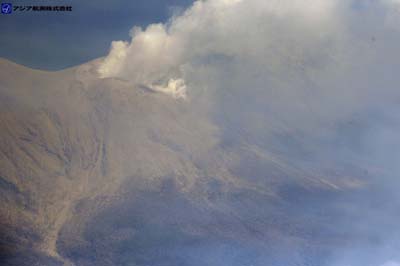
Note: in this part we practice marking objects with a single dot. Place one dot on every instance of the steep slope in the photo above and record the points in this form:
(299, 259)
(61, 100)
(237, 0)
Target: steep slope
(97, 172)
(66, 136)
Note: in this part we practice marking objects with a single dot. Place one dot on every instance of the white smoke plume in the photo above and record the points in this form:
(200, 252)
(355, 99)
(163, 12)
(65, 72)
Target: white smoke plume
(322, 75)
(294, 48)
(300, 65)
(280, 67)
(159, 56)
(323, 72)
(303, 66)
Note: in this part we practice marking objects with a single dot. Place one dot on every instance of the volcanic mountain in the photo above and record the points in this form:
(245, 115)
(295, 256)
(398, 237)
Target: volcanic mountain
(104, 172)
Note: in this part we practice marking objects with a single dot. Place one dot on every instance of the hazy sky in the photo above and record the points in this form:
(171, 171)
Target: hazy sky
(51, 40)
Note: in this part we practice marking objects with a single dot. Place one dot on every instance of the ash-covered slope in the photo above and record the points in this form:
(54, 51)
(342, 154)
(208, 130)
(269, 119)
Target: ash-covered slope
(99, 172)
(65, 136)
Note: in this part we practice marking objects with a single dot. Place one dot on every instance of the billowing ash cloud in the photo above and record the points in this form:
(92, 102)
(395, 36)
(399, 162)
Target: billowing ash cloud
(303, 66)
(257, 33)
(292, 49)
(314, 80)
(322, 73)
(151, 59)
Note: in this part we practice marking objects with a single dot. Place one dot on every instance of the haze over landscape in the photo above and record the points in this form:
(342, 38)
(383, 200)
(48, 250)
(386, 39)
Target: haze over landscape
(237, 133)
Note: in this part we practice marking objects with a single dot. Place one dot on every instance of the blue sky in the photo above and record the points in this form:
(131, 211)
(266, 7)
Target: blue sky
(50, 40)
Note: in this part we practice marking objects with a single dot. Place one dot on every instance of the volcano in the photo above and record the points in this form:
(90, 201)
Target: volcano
(98, 171)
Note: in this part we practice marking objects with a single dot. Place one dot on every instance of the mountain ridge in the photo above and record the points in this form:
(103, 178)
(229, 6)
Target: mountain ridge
(72, 143)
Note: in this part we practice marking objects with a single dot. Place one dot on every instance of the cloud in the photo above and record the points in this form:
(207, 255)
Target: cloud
(306, 67)
(293, 48)
(391, 263)
(151, 60)
(321, 73)
(322, 70)
(314, 81)
(159, 55)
